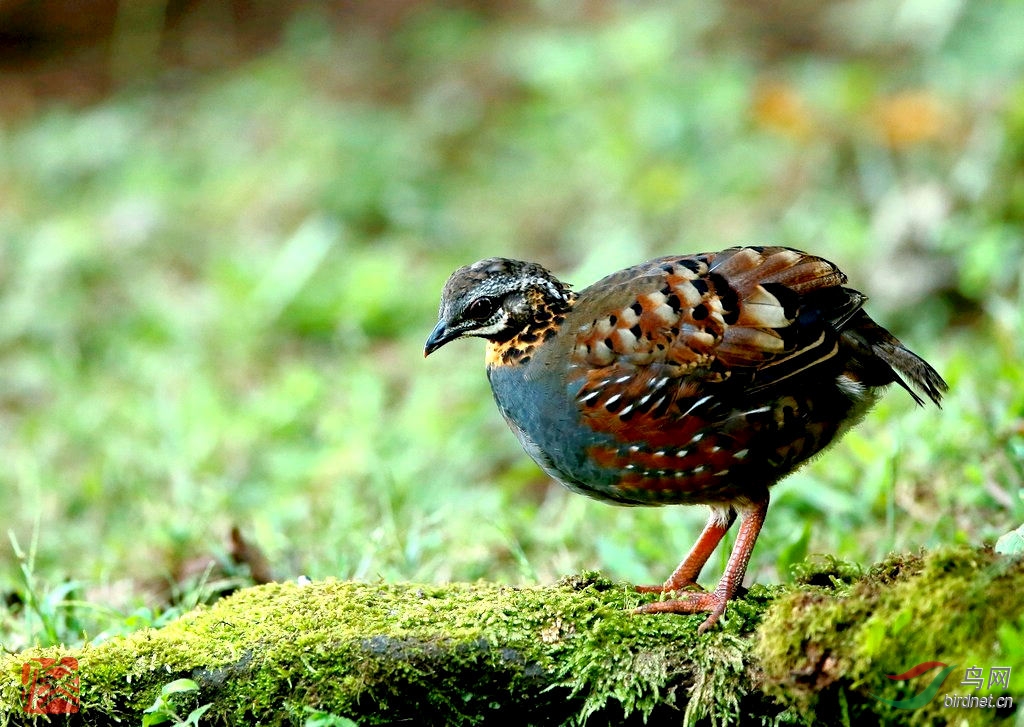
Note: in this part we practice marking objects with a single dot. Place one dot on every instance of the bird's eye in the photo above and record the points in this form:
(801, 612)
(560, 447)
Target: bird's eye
(480, 309)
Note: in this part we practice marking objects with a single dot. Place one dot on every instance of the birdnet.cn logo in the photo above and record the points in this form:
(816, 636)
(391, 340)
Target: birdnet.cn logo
(974, 678)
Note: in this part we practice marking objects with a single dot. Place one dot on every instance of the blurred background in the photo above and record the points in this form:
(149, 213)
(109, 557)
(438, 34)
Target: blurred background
(224, 227)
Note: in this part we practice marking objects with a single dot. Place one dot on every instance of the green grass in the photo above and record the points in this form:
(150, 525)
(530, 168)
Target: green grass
(214, 296)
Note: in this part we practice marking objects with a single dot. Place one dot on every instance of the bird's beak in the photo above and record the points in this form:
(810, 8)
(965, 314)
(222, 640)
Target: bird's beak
(437, 338)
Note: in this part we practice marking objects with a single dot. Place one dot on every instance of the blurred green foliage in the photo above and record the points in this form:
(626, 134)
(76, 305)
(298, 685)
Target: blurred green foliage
(214, 293)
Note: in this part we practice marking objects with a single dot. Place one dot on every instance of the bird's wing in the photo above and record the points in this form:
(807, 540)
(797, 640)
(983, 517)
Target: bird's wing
(653, 342)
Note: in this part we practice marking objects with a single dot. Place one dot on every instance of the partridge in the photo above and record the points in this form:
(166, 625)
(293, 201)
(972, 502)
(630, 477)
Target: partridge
(698, 379)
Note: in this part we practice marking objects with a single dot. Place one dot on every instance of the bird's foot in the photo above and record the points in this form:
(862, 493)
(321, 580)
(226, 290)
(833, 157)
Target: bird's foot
(713, 602)
(669, 588)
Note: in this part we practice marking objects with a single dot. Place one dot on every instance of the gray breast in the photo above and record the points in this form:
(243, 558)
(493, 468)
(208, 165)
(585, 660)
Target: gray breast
(544, 417)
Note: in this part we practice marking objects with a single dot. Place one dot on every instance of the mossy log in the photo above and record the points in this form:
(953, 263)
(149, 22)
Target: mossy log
(816, 652)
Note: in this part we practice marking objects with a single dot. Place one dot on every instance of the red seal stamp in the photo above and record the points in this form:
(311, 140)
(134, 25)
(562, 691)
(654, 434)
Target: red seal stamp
(50, 686)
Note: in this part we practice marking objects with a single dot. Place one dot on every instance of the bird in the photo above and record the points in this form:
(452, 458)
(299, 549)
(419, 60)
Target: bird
(699, 379)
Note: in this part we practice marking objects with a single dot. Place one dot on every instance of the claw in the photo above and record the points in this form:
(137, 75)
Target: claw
(663, 589)
(732, 580)
(695, 603)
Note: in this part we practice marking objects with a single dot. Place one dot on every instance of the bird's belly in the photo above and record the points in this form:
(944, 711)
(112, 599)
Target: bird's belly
(732, 457)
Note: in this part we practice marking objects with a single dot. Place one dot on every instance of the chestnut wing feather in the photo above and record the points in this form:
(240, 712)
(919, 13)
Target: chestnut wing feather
(664, 333)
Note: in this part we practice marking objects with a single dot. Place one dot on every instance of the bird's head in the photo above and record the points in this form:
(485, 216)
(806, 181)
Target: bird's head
(496, 299)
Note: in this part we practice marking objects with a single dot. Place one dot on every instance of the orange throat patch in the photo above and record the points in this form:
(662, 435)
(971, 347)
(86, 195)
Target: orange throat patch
(519, 349)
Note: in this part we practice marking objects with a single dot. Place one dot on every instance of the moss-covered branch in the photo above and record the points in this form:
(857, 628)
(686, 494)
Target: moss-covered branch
(464, 653)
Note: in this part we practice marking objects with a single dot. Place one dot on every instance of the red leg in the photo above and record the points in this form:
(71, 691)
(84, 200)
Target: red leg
(719, 522)
(750, 526)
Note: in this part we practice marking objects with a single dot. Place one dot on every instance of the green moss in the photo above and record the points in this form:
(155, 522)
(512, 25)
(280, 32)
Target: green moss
(567, 653)
(822, 649)
(378, 653)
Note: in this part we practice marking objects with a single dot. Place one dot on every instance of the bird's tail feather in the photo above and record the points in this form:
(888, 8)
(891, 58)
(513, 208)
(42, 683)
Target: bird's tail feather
(884, 358)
